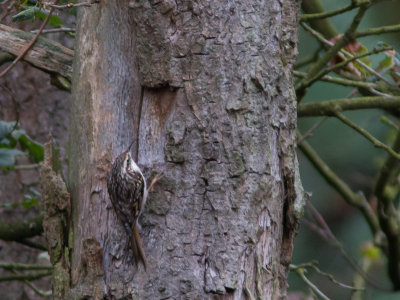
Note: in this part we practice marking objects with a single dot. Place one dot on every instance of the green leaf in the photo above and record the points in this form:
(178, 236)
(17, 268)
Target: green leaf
(54, 20)
(5, 128)
(7, 157)
(16, 134)
(35, 149)
(26, 14)
(29, 201)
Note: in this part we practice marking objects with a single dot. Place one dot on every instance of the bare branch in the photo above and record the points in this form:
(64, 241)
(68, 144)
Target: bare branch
(23, 267)
(327, 14)
(329, 108)
(341, 81)
(367, 135)
(341, 187)
(32, 244)
(321, 63)
(37, 291)
(325, 232)
(329, 276)
(23, 277)
(31, 43)
(378, 30)
(19, 230)
(301, 272)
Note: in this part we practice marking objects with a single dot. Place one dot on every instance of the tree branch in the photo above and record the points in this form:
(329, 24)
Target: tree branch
(367, 135)
(23, 277)
(46, 54)
(341, 81)
(388, 215)
(19, 230)
(353, 199)
(346, 62)
(320, 64)
(327, 14)
(378, 30)
(30, 44)
(32, 244)
(323, 25)
(23, 267)
(329, 108)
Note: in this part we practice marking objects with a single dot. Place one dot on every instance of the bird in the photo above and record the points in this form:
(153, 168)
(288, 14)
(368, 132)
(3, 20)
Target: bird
(128, 193)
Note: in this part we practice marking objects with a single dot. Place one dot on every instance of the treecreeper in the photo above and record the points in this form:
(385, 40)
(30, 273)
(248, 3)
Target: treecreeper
(128, 194)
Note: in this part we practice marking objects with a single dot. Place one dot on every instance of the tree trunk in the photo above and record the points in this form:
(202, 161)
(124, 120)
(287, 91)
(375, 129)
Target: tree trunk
(204, 91)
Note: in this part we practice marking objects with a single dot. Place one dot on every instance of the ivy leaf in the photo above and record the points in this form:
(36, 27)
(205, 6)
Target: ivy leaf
(54, 20)
(36, 149)
(26, 14)
(29, 201)
(7, 157)
(5, 128)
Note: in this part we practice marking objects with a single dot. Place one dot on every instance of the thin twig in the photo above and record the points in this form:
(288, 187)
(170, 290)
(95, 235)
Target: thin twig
(346, 62)
(388, 215)
(325, 232)
(309, 60)
(367, 135)
(340, 81)
(312, 77)
(37, 291)
(20, 56)
(7, 10)
(301, 273)
(54, 30)
(329, 276)
(389, 122)
(332, 51)
(309, 131)
(341, 187)
(68, 5)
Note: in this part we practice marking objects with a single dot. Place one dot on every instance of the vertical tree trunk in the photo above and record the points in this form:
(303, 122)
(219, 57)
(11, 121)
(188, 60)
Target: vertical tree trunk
(204, 90)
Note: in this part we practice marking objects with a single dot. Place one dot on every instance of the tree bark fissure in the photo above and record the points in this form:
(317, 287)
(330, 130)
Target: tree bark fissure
(204, 91)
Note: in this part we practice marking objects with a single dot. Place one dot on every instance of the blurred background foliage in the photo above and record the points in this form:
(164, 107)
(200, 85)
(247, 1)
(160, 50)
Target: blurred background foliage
(352, 157)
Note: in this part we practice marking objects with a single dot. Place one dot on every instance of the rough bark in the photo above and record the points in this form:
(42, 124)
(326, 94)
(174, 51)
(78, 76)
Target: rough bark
(204, 89)
(57, 208)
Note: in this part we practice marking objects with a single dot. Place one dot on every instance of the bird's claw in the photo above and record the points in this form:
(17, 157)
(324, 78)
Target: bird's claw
(154, 181)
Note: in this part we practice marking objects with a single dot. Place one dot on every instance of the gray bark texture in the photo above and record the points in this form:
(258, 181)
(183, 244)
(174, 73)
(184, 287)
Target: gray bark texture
(204, 90)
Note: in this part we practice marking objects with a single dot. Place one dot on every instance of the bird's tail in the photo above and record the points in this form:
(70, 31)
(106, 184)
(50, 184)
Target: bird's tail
(137, 248)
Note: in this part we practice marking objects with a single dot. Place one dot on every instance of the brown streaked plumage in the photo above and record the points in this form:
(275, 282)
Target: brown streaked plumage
(127, 189)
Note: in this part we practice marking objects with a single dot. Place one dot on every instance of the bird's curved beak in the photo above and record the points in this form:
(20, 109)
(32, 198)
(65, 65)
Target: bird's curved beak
(130, 146)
